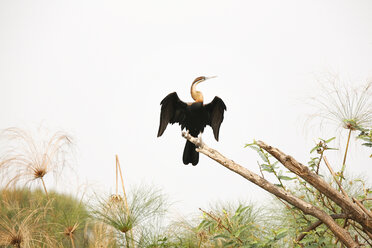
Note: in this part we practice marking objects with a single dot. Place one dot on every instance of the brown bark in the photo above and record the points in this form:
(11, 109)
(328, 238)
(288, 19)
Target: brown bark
(305, 207)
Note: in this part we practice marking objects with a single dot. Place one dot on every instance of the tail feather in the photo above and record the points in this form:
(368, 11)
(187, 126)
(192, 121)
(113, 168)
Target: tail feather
(189, 154)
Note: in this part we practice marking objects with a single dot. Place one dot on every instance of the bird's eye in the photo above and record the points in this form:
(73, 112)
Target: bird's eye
(198, 79)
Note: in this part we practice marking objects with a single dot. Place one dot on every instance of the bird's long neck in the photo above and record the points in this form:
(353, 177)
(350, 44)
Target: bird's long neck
(196, 95)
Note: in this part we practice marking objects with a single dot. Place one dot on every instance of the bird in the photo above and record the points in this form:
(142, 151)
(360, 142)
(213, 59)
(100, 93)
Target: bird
(192, 116)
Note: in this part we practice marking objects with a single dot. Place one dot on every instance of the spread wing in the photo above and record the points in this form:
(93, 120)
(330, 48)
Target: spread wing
(172, 111)
(216, 110)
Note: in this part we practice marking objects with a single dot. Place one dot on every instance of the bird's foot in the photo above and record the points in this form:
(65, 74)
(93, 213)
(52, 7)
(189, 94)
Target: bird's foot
(199, 142)
(185, 133)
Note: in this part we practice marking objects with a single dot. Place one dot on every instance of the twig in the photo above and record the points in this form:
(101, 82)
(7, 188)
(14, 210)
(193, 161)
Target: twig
(358, 229)
(362, 207)
(320, 160)
(259, 166)
(345, 225)
(316, 224)
(330, 204)
(335, 177)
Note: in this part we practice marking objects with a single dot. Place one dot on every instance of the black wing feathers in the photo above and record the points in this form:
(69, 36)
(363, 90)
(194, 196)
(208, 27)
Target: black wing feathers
(172, 110)
(216, 110)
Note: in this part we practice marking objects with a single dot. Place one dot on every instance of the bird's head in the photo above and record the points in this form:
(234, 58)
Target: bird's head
(201, 79)
(197, 95)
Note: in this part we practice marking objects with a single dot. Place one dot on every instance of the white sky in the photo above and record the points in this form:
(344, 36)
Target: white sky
(99, 69)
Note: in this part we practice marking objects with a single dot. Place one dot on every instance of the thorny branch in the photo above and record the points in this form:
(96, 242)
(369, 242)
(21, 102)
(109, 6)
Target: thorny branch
(352, 210)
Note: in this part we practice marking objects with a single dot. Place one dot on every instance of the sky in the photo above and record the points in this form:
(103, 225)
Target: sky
(99, 69)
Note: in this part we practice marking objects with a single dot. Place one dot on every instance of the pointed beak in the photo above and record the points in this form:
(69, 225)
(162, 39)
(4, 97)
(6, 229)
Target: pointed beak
(210, 77)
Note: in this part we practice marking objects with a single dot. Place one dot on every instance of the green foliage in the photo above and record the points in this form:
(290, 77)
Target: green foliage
(153, 236)
(366, 136)
(271, 165)
(322, 146)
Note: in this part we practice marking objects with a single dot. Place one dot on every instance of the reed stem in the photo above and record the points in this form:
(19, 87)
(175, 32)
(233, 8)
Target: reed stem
(117, 185)
(46, 192)
(72, 241)
(344, 162)
(125, 198)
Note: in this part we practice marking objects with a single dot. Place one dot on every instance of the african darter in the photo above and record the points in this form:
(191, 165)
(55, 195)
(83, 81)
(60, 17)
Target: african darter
(192, 116)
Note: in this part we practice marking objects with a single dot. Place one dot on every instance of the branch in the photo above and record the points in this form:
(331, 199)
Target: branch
(317, 182)
(277, 191)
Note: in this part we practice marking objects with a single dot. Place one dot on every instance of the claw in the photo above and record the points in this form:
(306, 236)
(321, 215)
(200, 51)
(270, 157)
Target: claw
(185, 133)
(199, 142)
